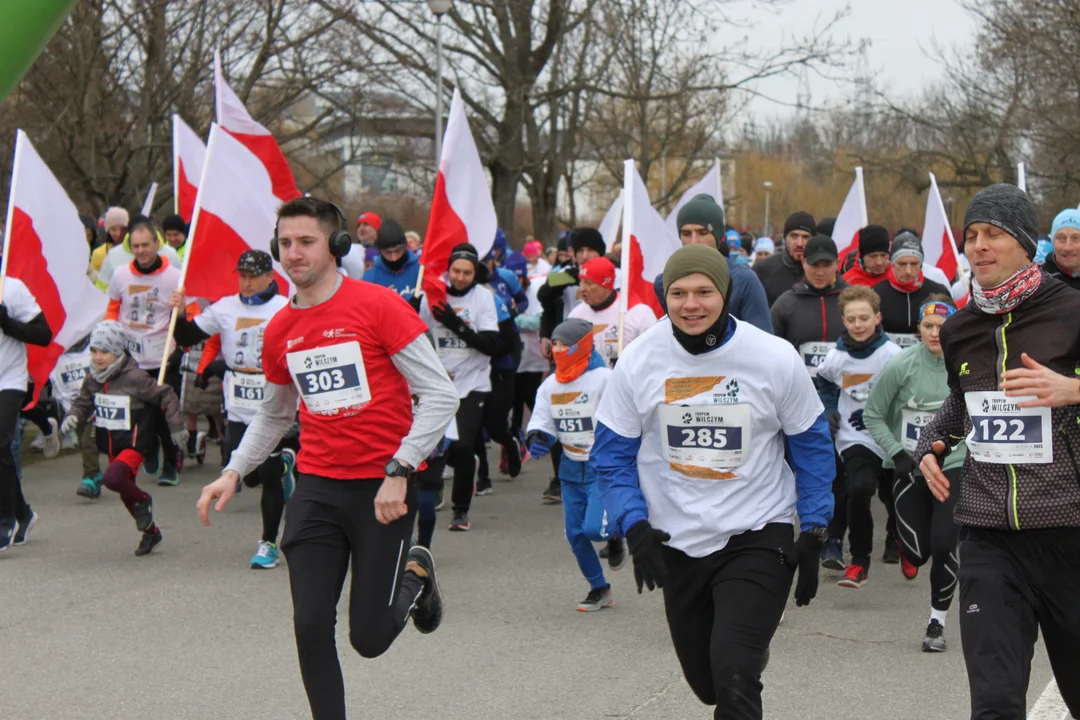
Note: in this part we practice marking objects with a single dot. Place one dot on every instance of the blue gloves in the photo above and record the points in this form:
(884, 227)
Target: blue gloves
(538, 442)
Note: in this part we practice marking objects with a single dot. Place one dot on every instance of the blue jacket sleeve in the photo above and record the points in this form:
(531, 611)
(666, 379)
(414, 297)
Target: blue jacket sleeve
(829, 394)
(811, 455)
(748, 300)
(615, 460)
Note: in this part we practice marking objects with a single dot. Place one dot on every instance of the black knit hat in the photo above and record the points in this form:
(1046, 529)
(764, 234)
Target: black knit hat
(1009, 208)
(825, 226)
(587, 237)
(466, 251)
(390, 235)
(174, 222)
(800, 220)
(872, 239)
(703, 210)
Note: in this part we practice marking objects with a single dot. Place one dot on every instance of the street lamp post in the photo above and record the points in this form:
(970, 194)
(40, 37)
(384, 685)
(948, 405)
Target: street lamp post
(765, 230)
(440, 8)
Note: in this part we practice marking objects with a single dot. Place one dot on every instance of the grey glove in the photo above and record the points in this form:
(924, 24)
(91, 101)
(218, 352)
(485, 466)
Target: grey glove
(179, 438)
(69, 424)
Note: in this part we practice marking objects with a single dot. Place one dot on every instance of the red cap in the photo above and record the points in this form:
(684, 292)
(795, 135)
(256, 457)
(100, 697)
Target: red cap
(371, 219)
(600, 271)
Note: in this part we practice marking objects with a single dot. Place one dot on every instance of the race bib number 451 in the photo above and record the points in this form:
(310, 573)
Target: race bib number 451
(1005, 434)
(330, 379)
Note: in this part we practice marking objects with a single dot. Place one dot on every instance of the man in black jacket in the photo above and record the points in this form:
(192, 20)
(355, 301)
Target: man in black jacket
(781, 270)
(1019, 503)
(904, 290)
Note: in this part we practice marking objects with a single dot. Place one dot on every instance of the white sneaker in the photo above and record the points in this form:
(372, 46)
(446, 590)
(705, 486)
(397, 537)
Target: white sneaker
(52, 442)
(38, 443)
(69, 441)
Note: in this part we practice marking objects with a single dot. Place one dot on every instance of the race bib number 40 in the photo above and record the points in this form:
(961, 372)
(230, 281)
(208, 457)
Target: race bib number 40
(1004, 434)
(813, 354)
(112, 412)
(330, 379)
(706, 441)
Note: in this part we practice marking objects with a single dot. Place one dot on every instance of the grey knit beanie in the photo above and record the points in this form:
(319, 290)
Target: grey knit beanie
(572, 331)
(1009, 208)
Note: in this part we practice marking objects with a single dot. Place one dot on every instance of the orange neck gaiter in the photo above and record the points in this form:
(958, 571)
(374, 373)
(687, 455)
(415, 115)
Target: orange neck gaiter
(571, 362)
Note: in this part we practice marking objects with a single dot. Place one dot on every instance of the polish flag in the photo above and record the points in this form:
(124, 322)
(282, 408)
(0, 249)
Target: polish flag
(712, 185)
(647, 244)
(234, 118)
(939, 247)
(609, 226)
(45, 247)
(235, 211)
(461, 210)
(189, 154)
(851, 219)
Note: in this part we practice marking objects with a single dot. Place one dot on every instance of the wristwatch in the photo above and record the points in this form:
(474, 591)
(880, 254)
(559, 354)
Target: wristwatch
(822, 533)
(397, 469)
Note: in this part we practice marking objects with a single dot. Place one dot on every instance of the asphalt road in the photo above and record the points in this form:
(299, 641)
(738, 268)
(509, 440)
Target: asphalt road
(91, 631)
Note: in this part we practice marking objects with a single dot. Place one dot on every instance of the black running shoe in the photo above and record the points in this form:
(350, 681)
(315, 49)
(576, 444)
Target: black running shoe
(513, 457)
(616, 548)
(7, 532)
(427, 612)
(891, 556)
(935, 638)
(553, 494)
(143, 513)
(148, 543)
(484, 487)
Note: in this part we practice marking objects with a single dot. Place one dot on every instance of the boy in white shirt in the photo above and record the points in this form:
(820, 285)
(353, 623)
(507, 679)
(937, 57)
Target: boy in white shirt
(849, 370)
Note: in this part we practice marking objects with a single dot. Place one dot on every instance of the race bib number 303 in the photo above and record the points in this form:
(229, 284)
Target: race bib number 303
(330, 379)
(706, 441)
(1004, 434)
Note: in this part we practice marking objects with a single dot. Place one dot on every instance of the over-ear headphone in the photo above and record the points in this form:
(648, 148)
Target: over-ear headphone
(340, 242)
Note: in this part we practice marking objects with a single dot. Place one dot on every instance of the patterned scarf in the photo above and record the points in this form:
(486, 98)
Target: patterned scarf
(1005, 297)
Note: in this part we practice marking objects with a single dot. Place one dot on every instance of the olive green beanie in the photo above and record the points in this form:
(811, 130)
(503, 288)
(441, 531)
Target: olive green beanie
(690, 259)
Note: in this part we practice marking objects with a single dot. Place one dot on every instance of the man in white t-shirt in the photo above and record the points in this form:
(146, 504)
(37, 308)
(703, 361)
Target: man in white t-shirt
(690, 450)
(466, 331)
(600, 306)
(139, 295)
(240, 321)
(21, 323)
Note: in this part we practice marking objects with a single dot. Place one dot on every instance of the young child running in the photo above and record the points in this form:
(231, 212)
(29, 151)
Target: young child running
(565, 408)
(850, 369)
(117, 393)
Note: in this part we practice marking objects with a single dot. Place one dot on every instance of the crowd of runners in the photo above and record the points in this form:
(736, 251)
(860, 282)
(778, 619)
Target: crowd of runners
(728, 449)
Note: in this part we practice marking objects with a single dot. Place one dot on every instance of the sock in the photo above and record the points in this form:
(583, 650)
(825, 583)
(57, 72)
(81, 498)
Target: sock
(939, 615)
(414, 567)
(152, 530)
(425, 531)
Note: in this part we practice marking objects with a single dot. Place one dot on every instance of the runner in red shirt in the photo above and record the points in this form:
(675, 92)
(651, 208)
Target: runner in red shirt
(354, 355)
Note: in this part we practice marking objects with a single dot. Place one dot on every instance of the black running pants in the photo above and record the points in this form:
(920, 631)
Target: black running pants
(927, 531)
(330, 528)
(12, 503)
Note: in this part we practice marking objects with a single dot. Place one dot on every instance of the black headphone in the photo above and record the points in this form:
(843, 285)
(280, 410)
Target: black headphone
(340, 242)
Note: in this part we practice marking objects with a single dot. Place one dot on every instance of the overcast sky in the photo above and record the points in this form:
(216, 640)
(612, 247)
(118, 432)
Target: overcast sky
(901, 33)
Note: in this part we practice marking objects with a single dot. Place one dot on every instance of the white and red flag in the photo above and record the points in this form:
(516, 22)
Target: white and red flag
(189, 154)
(609, 226)
(939, 247)
(235, 210)
(851, 219)
(45, 247)
(647, 244)
(462, 210)
(712, 185)
(234, 118)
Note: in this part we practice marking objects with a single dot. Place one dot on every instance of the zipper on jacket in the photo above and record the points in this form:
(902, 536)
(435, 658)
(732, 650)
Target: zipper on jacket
(1012, 509)
(824, 321)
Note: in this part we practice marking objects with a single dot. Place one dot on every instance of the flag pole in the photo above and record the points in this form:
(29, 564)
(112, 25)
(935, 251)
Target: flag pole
(20, 137)
(624, 256)
(191, 249)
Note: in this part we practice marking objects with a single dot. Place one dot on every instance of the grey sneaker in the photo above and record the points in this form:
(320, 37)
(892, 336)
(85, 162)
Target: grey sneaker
(597, 599)
(24, 528)
(935, 638)
(427, 612)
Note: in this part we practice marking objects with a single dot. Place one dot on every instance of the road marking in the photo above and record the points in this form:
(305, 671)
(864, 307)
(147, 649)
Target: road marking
(1050, 706)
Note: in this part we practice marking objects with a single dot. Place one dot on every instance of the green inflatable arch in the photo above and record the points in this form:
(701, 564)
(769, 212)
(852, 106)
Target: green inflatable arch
(25, 27)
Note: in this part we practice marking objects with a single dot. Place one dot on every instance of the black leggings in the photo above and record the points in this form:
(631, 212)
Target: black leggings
(162, 434)
(331, 527)
(470, 418)
(928, 531)
(268, 475)
(12, 503)
(496, 418)
(40, 414)
(525, 386)
(722, 611)
(863, 475)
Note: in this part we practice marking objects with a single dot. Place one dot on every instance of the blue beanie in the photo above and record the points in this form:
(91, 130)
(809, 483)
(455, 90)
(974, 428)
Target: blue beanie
(1068, 218)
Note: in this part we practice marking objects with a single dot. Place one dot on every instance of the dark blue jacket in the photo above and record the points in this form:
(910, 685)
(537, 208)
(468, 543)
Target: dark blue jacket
(810, 454)
(402, 282)
(508, 289)
(748, 302)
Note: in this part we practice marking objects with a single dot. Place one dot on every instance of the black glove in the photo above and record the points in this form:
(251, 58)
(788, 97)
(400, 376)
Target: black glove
(202, 381)
(905, 464)
(446, 315)
(3, 317)
(649, 566)
(834, 423)
(807, 558)
(415, 301)
(856, 421)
